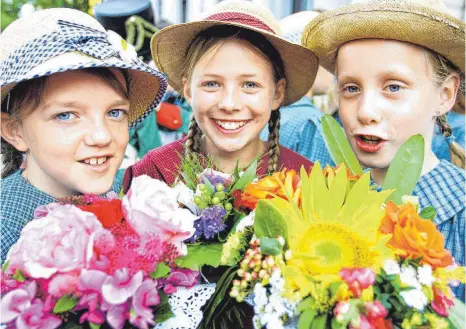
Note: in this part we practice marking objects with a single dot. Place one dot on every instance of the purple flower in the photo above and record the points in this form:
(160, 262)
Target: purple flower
(210, 223)
(215, 177)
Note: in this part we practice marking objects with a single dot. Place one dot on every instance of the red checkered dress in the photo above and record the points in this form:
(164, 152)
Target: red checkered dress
(163, 163)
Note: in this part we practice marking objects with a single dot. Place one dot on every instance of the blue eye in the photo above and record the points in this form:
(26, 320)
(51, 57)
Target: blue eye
(211, 84)
(116, 113)
(394, 88)
(352, 89)
(250, 85)
(65, 116)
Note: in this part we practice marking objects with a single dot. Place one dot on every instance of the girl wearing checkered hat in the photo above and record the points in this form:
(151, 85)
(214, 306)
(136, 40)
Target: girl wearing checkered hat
(400, 69)
(236, 71)
(70, 91)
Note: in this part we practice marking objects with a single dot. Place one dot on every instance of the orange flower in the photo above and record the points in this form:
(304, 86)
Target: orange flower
(328, 170)
(278, 184)
(414, 236)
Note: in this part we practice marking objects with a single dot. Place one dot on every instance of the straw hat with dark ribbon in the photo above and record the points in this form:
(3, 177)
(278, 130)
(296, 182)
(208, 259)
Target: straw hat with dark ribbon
(422, 22)
(169, 46)
(59, 40)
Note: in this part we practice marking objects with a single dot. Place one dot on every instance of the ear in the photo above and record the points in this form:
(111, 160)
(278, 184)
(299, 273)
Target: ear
(186, 90)
(13, 133)
(448, 91)
(279, 96)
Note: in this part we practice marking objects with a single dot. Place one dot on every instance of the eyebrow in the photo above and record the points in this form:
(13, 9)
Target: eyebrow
(244, 75)
(74, 105)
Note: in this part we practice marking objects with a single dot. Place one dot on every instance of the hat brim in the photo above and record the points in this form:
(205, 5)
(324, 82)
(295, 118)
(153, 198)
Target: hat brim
(415, 24)
(147, 85)
(169, 48)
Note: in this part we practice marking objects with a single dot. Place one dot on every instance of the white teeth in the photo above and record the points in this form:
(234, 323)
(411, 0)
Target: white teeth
(230, 125)
(95, 161)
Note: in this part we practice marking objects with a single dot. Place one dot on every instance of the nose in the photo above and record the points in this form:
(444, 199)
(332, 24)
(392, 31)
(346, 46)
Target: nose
(369, 111)
(99, 135)
(230, 100)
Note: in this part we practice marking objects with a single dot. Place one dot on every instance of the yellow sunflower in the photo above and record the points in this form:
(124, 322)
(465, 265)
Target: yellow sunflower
(336, 226)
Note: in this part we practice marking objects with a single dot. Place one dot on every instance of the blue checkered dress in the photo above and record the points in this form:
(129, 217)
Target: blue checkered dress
(444, 189)
(19, 199)
(300, 131)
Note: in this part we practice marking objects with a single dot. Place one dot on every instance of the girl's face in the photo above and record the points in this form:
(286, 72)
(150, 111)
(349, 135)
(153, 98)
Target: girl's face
(387, 95)
(77, 137)
(232, 92)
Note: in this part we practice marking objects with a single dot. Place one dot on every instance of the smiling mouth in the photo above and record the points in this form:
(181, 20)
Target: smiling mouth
(95, 161)
(230, 126)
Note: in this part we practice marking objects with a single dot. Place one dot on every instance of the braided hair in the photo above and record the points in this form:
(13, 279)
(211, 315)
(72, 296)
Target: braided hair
(201, 45)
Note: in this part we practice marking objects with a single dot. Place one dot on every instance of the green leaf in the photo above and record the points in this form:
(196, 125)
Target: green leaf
(161, 271)
(428, 213)
(319, 322)
(270, 246)
(5, 266)
(163, 311)
(246, 178)
(306, 318)
(306, 304)
(338, 145)
(94, 325)
(405, 169)
(200, 255)
(458, 314)
(65, 304)
(268, 221)
(19, 276)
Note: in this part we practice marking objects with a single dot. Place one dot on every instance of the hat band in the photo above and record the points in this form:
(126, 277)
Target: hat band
(69, 37)
(240, 18)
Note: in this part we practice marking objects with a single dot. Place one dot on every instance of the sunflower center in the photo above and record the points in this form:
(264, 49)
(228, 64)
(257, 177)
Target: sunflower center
(328, 247)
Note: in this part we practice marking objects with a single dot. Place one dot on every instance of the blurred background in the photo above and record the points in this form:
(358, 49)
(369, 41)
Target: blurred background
(178, 11)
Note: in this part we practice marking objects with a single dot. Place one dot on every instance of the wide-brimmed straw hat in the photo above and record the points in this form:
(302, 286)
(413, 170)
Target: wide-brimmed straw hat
(59, 40)
(169, 46)
(422, 22)
(293, 26)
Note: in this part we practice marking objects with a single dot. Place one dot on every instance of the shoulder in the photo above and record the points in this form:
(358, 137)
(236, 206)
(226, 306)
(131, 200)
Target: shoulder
(160, 163)
(292, 160)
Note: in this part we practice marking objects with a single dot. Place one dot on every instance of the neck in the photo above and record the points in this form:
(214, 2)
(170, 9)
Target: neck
(226, 161)
(430, 162)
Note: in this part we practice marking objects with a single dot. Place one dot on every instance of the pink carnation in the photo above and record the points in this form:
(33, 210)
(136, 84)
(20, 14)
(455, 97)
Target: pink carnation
(60, 242)
(62, 284)
(37, 317)
(358, 279)
(121, 286)
(17, 301)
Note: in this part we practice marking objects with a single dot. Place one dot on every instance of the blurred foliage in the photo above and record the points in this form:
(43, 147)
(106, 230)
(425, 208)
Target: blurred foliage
(11, 8)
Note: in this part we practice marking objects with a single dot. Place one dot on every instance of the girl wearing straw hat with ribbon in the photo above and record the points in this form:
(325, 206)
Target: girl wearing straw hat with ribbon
(235, 70)
(400, 66)
(70, 91)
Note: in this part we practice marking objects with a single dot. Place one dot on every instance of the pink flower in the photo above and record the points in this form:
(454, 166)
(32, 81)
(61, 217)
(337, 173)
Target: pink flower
(375, 309)
(60, 242)
(121, 286)
(358, 279)
(441, 303)
(44, 210)
(36, 317)
(146, 296)
(361, 323)
(62, 284)
(180, 277)
(17, 301)
(117, 316)
(151, 206)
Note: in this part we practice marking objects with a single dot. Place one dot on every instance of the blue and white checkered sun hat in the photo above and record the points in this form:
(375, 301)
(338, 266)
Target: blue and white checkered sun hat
(59, 40)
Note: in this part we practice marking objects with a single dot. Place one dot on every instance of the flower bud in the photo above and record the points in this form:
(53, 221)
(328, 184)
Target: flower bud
(202, 187)
(228, 206)
(281, 240)
(215, 201)
(219, 187)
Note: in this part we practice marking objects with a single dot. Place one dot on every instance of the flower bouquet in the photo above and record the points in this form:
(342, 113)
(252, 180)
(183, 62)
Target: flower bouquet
(92, 262)
(331, 251)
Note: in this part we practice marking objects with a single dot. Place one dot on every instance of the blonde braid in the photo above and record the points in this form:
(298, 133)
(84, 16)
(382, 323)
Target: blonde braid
(456, 151)
(274, 137)
(193, 139)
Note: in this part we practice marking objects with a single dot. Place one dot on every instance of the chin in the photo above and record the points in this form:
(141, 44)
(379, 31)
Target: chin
(98, 188)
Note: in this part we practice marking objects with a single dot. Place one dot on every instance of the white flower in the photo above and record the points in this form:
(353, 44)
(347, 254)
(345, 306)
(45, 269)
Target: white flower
(425, 275)
(408, 277)
(151, 206)
(260, 295)
(410, 199)
(415, 298)
(127, 51)
(246, 222)
(186, 197)
(391, 266)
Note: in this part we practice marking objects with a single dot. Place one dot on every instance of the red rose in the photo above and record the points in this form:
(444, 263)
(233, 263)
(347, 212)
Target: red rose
(108, 212)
